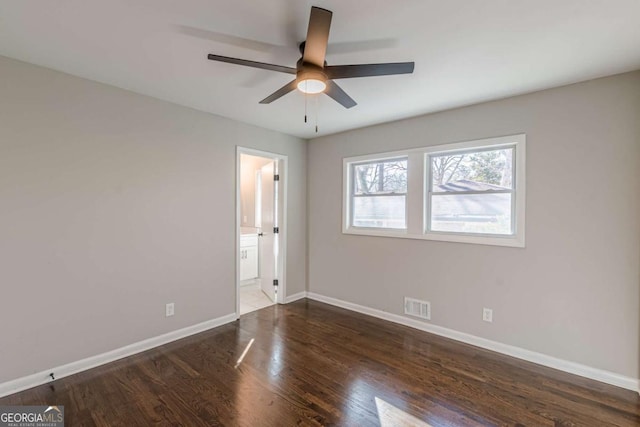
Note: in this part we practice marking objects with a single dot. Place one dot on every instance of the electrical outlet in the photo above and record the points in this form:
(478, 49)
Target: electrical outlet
(170, 309)
(487, 315)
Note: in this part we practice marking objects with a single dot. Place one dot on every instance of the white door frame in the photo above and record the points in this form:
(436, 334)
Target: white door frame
(282, 221)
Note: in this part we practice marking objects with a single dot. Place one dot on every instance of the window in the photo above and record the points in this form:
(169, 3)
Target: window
(378, 196)
(471, 192)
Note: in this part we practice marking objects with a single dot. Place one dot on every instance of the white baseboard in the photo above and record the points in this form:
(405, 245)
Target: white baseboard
(295, 297)
(40, 378)
(520, 353)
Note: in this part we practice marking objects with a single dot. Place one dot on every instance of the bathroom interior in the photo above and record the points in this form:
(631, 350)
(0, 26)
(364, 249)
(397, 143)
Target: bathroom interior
(255, 253)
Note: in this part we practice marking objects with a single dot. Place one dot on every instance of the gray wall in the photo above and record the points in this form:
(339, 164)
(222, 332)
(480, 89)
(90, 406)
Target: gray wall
(111, 205)
(573, 292)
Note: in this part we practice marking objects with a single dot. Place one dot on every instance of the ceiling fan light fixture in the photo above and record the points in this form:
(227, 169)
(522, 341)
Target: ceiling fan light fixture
(311, 86)
(311, 80)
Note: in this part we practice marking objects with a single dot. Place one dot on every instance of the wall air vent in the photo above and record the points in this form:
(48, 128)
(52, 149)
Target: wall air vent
(417, 308)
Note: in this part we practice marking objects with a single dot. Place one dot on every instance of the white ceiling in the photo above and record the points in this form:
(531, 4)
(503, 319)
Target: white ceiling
(466, 51)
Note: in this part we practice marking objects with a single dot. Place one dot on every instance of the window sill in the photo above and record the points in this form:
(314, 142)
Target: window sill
(508, 241)
(377, 232)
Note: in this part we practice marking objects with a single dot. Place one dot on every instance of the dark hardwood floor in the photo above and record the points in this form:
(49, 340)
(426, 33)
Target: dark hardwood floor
(313, 364)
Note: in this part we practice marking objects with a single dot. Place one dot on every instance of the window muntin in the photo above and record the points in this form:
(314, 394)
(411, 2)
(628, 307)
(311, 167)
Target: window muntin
(492, 215)
(472, 191)
(379, 194)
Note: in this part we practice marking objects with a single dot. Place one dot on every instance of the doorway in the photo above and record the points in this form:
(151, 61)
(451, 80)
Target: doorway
(261, 229)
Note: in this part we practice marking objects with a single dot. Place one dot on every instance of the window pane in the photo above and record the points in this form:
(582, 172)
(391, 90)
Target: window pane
(379, 212)
(472, 213)
(384, 177)
(476, 171)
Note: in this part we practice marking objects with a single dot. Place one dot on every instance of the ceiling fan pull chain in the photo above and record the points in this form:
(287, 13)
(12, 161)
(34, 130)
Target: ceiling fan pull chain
(316, 114)
(305, 107)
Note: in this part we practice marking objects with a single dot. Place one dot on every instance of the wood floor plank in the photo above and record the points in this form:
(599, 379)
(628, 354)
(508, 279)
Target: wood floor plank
(311, 364)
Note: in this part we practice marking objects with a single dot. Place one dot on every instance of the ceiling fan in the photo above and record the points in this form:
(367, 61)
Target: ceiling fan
(313, 75)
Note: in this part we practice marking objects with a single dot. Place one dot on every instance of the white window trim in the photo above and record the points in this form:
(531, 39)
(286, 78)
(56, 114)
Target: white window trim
(347, 187)
(419, 190)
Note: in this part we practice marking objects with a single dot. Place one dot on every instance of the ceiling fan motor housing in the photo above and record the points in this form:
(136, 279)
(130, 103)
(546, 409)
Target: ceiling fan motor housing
(308, 71)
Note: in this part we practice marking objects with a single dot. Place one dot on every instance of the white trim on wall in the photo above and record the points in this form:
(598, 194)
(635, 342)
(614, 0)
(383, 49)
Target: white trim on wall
(20, 384)
(43, 377)
(417, 193)
(296, 297)
(509, 350)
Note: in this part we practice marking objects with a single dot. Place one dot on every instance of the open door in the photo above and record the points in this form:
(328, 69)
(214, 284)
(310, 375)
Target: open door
(268, 237)
(261, 217)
